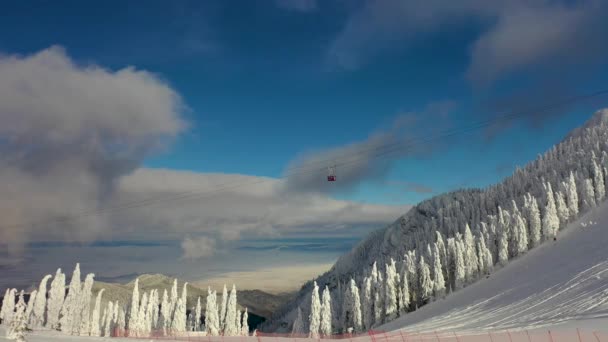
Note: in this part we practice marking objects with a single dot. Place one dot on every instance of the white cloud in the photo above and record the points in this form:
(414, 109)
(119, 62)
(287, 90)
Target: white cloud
(514, 34)
(68, 133)
(197, 248)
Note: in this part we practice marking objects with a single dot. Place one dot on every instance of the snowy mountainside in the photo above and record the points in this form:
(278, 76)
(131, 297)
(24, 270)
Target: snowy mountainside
(561, 282)
(578, 164)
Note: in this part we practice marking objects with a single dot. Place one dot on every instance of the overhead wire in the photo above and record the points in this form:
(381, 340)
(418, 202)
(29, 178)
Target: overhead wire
(365, 155)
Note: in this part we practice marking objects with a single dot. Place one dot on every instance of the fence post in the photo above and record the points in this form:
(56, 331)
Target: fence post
(490, 334)
(437, 335)
(578, 332)
(550, 336)
(510, 338)
(457, 339)
(528, 333)
(402, 337)
(596, 337)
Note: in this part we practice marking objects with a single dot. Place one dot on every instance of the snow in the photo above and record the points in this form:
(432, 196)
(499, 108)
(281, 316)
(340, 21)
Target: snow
(562, 284)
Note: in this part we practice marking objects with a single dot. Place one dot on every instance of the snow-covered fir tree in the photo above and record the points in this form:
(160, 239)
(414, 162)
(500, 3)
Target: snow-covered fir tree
(132, 322)
(165, 313)
(315, 312)
(562, 208)
(390, 290)
(30, 306)
(598, 181)
(39, 314)
(550, 220)
(572, 196)
(230, 328)
(326, 312)
(18, 325)
(245, 324)
(534, 222)
(223, 308)
(212, 325)
(56, 299)
(85, 305)
(238, 322)
(95, 323)
(425, 282)
(69, 310)
(197, 315)
(438, 281)
(297, 328)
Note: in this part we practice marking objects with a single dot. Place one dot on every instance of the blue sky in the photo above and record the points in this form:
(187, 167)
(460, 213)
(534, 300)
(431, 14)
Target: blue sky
(277, 83)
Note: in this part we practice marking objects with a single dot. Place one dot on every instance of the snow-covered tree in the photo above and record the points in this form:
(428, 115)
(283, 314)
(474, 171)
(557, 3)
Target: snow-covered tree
(56, 299)
(109, 320)
(223, 308)
(390, 291)
(598, 182)
(572, 196)
(132, 322)
(85, 305)
(426, 283)
(298, 324)
(367, 309)
(30, 305)
(503, 247)
(534, 222)
(315, 312)
(550, 220)
(197, 315)
(95, 324)
(18, 325)
(562, 208)
(165, 313)
(326, 313)
(212, 326)
(238, 322)
(521, 240)
(230, 324)
(245, 324)
(588, 194)
(121, 324)
(351, 310)
(459, 264)
(38, 314)
(470, 255)
(179, 316)
(438, 281)
(69, 310)
(404, 294)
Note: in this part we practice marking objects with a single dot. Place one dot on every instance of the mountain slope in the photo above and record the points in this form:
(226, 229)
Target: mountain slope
(561, 281)
(581, 158)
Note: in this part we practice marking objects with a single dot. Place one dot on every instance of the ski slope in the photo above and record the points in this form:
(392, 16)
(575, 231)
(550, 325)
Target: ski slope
(560, 284)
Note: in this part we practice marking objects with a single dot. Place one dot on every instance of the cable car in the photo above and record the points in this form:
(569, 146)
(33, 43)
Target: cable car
(331, 177)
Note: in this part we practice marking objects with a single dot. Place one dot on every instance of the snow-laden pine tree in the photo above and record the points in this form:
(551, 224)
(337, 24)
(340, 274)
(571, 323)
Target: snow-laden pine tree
(18, 325)
(38, 315)
(85, 305)
(550, 220)
(212, 325)
(378, 301)
(326, 313)
(154, 310)
(109, 321)
(165, 313)
(534, 222)
(562, 209)
(438, 281)
(69, 310)
(223, 308)
(367, 303)
(470, 255)
(30, 305)
(503, 246)
(572, 196)
(3, 308)
(521, 229)
(404, 294)
(588, 194)
(459, 264)
(315, 312)
(179, 316)
(425, 282)
(238, 322)
(485, 257)
(95, 323)
(230, 322)
(390, 291)
(297, 328)
(134, 308)
(443, 253)
(245, 324)
(197, 315)
(598, 182)
(121, 324)
(56, 299)
(356, 306)
(173, 300)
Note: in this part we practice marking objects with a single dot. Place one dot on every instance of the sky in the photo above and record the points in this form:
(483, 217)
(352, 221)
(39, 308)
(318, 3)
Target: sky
(192, 138)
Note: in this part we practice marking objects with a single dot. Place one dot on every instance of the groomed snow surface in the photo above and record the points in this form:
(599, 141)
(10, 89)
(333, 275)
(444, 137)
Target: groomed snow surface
(546, 295)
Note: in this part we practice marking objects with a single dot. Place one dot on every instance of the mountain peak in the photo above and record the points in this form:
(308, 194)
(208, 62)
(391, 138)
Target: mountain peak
(599, 117)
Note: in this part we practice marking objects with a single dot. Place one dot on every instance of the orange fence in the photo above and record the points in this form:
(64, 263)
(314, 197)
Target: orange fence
(536, 335)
